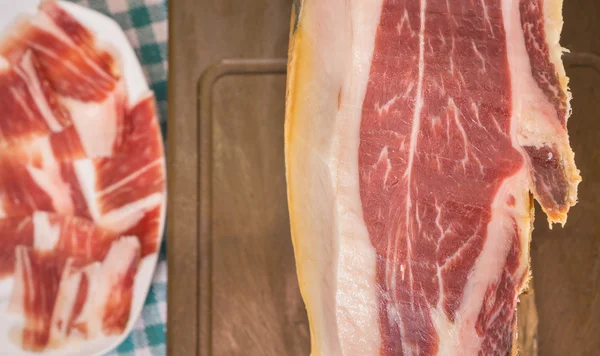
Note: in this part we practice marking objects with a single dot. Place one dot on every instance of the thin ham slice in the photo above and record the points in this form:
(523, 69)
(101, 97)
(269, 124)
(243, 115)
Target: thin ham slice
(72, 292)
(116, 286)
(14, 232)
(124, 192)
(37, 279)
(24, 94)
(416, 133)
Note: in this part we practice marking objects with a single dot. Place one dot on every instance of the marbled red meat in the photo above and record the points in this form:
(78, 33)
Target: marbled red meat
(416, 133)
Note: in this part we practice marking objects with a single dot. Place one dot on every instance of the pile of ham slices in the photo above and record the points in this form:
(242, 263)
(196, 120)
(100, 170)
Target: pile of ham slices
(82, 181)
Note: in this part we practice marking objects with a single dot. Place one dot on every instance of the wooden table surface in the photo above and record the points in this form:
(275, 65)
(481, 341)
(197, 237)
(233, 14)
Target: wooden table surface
(232, 282)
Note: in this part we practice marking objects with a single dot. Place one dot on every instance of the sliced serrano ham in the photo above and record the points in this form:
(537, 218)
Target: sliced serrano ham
(416, 133)
(82, 181)
(66, 236)
(33, 108)
(58, 297)
(72, 292)
(84, 77)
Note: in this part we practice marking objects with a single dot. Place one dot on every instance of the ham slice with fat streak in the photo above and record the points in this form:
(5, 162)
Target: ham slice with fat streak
(68, 236)
(84, 77)
(59, 298)
(417, 133)
(53, 155)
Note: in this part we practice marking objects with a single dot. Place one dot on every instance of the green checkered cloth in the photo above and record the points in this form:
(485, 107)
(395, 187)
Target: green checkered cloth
(145, 24)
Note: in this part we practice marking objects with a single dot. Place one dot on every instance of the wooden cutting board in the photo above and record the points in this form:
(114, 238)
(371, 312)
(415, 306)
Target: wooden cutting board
(232, 281)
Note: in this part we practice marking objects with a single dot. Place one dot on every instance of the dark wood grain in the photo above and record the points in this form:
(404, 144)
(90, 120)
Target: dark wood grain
(185, 52)
(232, 280)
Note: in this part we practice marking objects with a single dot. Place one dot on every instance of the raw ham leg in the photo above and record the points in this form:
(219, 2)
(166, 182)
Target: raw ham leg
(416, 133)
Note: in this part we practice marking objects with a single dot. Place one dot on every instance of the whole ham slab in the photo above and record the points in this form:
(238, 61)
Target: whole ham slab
(418, 133)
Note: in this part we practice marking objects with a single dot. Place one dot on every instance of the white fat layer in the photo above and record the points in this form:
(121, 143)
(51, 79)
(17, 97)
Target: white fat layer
(45, 234)
(357, 299)
(309, 158)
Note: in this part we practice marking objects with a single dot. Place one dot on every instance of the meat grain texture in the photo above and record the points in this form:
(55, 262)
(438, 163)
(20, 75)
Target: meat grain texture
(418, 133)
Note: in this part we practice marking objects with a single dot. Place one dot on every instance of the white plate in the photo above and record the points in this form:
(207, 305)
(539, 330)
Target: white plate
(108, 31)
